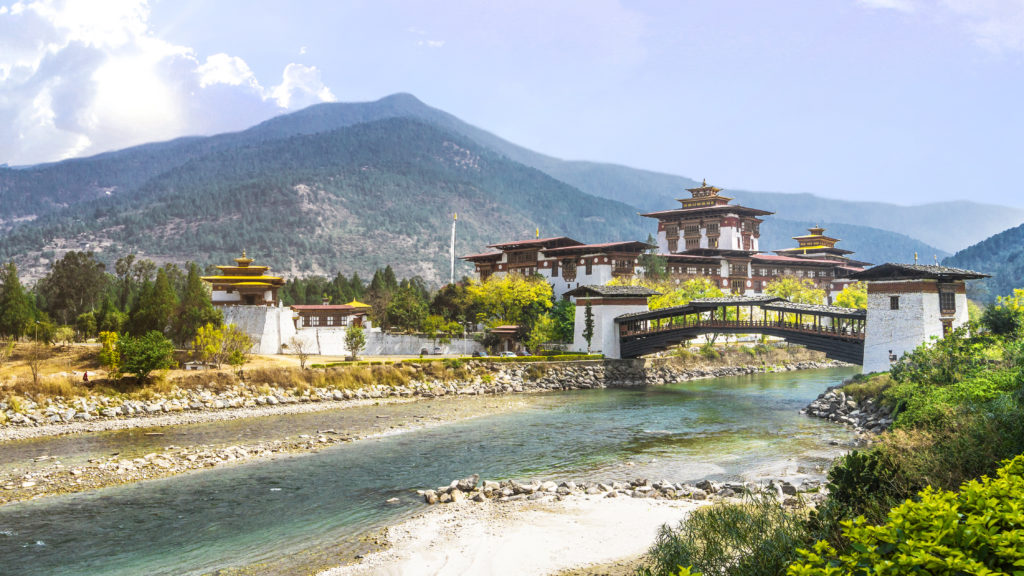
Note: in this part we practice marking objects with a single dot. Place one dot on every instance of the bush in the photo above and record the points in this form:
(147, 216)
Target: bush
(708, 351)
(754, 537)
(979, 530)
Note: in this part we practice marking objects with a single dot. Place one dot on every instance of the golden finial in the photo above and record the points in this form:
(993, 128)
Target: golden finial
(704, 183)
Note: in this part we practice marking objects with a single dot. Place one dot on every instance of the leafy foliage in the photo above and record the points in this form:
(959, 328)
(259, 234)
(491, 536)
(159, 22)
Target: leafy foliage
(221, 344)
(800, 290)
(15, 304)
(74, 286)
(143, 354)
(853, 296)
(355, 340)
(979, 530)
(511, 299)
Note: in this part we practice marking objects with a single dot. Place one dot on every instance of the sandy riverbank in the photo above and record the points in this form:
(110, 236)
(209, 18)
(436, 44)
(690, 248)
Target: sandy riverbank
(520, 538)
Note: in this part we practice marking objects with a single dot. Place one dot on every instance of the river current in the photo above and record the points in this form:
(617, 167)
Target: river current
(290, 515)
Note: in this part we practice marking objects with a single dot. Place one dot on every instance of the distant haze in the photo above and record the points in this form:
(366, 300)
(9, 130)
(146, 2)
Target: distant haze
(899, 101)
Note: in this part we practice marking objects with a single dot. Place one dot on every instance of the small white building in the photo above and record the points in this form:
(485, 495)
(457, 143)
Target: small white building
(606, 303)
(908, 305)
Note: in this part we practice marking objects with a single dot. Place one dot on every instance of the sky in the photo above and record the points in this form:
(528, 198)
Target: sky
(905, 101)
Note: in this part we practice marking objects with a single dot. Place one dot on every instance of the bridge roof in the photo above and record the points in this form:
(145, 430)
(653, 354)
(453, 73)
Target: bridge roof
(766, 302)
(816, 309)
(699, 305)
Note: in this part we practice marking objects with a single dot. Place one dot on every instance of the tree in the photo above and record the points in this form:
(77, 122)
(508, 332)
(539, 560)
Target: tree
(407, 309)
(15, 305)
(693, 289)
(109, 357)
(221, 344)
(799, 290)
(298, 347)
(37, 352)
(655, 266)
(144, 354)
(86, 324)
(74, 286)
(109, 318)
(196, 309)
(512, 299)
(853, 296)
(588, 325)
(64, 334)
(563, 313)
(355, 340)
(156, 305)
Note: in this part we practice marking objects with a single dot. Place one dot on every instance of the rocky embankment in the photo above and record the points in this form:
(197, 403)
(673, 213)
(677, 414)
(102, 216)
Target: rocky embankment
(489, 378)
(471, 489)
(48, 476)
(868, 416)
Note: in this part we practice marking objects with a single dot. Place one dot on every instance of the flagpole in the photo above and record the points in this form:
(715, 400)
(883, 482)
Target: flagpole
(451, 274)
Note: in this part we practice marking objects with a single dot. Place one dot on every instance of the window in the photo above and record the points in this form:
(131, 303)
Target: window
(713, 228)
(947, 300)
(894, 302)
(947, 326)
(330, 320)
(692, 243)
(590, 266)
(691, 269)
(554, 269)
(314, 320)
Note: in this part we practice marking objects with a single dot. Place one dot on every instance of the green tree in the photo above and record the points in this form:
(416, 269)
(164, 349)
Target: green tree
(156, 305)
(407, 309)
(512, 299)
(109, 356)
(693, 289)
(588, 325)
(196, 309)
(799, 290)
(221, 345)
(15, 304)
(563, 313)
(853, 296)
(64, 334)
(86, 324)
(655, 266)
(109, 318)
(355, 340)
(144, 354)
(74, 285)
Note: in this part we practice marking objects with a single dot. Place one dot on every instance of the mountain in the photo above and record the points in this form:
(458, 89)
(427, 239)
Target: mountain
(353, 198)
(1002, 256)
(32, 192)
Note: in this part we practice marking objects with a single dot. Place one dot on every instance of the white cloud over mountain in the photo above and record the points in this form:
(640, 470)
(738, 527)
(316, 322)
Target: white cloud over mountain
(80, 77)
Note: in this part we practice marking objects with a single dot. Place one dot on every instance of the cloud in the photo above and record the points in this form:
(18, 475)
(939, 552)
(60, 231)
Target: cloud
(431, 43)
(301, 86)
(996, 25)
(899, 5)
(80, 77)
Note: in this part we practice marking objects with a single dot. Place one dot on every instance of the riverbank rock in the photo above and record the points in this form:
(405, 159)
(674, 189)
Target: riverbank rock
(868, 416)
(786, 493)
(486, 378)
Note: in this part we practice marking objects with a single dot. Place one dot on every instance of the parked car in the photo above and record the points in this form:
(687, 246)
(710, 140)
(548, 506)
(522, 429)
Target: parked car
(507, 354)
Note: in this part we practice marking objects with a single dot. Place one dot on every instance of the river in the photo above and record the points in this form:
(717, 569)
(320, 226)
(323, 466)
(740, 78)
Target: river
(293, 514)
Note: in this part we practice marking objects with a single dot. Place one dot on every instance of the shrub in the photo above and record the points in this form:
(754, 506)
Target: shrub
(753, 537)
(979, 530)
(708, 351)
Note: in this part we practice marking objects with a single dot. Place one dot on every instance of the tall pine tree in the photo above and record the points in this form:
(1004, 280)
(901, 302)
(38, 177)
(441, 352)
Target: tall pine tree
(15, 304)
(157, 303)
(196, 309)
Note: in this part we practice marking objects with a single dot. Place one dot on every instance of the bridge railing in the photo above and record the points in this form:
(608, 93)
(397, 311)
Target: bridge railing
(682, 322)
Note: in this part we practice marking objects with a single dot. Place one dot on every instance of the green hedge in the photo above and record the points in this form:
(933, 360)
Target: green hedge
(458, 361)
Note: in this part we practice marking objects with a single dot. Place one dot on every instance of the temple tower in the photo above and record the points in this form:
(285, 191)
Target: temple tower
(908, 304)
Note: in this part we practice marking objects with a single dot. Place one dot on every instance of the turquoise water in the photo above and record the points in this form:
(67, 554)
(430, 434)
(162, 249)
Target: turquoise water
(300, 508)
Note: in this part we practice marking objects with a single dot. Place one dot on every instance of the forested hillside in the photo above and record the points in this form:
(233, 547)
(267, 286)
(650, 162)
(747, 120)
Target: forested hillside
(1002, 256)
(352, 199)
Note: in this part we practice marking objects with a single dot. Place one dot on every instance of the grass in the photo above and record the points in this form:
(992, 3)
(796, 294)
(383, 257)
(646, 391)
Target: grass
(864, 386)
(754, 537)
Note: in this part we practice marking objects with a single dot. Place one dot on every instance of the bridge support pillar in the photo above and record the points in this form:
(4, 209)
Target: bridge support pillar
(606, 303)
